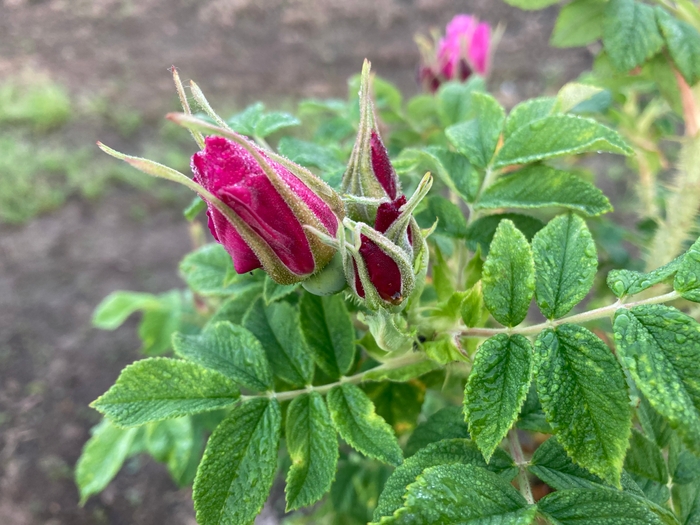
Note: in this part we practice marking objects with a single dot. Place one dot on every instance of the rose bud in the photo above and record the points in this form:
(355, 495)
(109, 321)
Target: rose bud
(369, 177)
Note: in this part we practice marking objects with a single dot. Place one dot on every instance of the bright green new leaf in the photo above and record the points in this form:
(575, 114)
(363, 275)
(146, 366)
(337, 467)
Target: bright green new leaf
(629, 282)
(117, 306)
(197, 206)
(209, 271)
(565, 265)
(313, 449)
(556, 136)
(445, 452)
(496, 389)
(644, 459)
(239, 464)
(573, 94)
(528, 111)
(172, 442)
(472, 308)
(508, 275)
(273, 291)
(160, 321)
(461, 494)
(630, 33)
(329, 332)
(160, 388)
(278, 328)
(480, 232)
(102, 457)
(596, 506)
(540, 186)
(476, 139)
(551, 464)
(661, 347)
(231, 350)
(446, 423)
(578, 24)
(687, 281)
(356, 421)
(683, 42)
(584, 395)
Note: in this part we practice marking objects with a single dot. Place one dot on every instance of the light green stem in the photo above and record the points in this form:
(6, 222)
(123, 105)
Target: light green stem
(516, 451)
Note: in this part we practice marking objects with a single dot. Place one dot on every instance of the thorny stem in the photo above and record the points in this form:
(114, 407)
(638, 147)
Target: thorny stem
(516, 452)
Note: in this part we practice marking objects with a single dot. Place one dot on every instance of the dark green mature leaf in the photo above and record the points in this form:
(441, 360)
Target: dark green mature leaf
(531, 415)
(356, 421)
(239, 464)
(556, 136)
(552, 465)
(460, 494)
(445, 452)
(644, 459)
(596, 506)
(329, 332)
(687, 468)
(102, 457)
(160, 388)
(235, 308)
(630, 33)
(273, 291)
(114, 309)
(231, 350)
(540, 186)
(683, 42)
(686, 500)
(278, 328)
(451, 221)
(661, 347)
(313, 449)
(578, 24)
(565, 265)
(687, 281)
(496, 389)
(629, 282)
(584, 395)
(508, 275)
(455, 100)
(209, 271)
(446, 423)
(477, 138)
(528, 111)
(480, 232)
(654, 425)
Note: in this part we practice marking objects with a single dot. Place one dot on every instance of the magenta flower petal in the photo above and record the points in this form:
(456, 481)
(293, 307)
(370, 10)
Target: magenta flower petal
(383, 271)
(479, 48)
(381, 165)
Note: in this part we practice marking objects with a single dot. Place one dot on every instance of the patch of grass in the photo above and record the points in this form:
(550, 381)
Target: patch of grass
(37, 103)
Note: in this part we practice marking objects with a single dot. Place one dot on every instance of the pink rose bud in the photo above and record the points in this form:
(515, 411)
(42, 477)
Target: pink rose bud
(273, 205)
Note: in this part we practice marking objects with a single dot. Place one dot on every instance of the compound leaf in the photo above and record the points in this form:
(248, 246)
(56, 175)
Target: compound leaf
(687, 281)
(630, 33)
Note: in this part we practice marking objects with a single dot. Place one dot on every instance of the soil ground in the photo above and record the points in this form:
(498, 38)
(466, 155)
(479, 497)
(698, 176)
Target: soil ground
(55, 269)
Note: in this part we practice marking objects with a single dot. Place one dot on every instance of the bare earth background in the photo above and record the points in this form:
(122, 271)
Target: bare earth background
(55, 269)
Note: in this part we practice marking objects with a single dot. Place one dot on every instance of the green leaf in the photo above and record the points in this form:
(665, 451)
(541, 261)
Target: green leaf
(278, 328)
(161, 321)
(160, 388)
(686, 500)
(460, 494)
(273, 291)
(496, 389)
(401, 373)
(531, 415)
(313, 449)
(397, 403)
(531, 5)
(644, 459)
(356, 421)
(445, 452)
(477, 138)
(239, 464)
(509, 275)
(573, 94)
(661, 347)
(451, 221)
(565, 265)
(209, 271)
(596, 506)
(231, 350)
(172, 442)
(117, 306)
(584, 395)
(556, 136)
(446, 423)
(329, 332)
(579, 23)
(455, 100)
(528, 111)
(196, 207)
(472, 308)
(540, 186)
(630, 33)
(102, 457)
(235, 308)
(309, 154)
(551, 464)
(269, 123)
(480, 232)
(687, 281)
(629, 282)
(452, 168)
(245, 121)
(683, 42)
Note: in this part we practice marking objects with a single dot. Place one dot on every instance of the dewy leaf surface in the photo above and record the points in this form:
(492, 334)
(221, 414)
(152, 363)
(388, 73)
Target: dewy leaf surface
(329, 332)
(461, 494)
(661, 347)
(445, 452)
(687, 281)
(496, 389)
(540, 186)
(160, 388)
(357, 422)
(508, 275)
(565, 265)
(239, 464)
(630, 33)
(630, 282)
(313, 449)
(558, 135)
(584, 396)
(231, 350)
